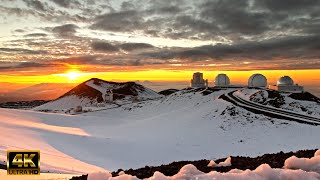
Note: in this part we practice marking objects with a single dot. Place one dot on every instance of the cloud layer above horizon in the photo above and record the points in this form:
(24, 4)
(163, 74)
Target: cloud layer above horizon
(112, 35)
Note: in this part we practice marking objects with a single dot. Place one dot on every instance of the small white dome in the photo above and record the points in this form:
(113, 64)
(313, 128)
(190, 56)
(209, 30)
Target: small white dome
(222, 80)
(285, 81)
(257, 80)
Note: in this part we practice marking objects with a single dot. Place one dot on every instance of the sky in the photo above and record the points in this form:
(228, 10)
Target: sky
(68, 41)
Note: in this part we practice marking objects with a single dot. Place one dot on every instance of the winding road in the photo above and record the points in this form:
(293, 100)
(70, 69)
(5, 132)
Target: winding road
(270, 111)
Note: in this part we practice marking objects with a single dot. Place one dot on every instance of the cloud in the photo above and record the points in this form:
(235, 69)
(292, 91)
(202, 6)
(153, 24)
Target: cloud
(299, 48)
(35, 4)
(124, 21)
(135, 46)
(288, 5)
(263, 31)
(66, 3)
(67, 30)
(22, 51)
(23, 65)
(36, 35)
(234, 16)
(104, 47)
(19, 30)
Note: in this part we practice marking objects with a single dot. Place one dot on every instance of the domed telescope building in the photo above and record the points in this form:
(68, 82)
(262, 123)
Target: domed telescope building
(222, 80)
(286, 84)
(198, 82)
(257, 81)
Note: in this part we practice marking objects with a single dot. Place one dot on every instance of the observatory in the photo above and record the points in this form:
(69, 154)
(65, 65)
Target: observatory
(198, 81)
(222, 80)
(108, 96)
(257, 81)
(286, 84)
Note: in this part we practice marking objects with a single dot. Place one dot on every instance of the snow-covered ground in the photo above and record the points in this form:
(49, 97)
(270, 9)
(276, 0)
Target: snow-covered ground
(186, 125)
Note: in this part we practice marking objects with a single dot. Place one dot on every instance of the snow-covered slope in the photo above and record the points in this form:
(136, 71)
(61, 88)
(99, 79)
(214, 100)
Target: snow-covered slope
(187, 125)
(92, 94)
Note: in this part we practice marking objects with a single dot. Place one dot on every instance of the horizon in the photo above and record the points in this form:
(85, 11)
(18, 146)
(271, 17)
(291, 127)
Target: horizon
(21, 91)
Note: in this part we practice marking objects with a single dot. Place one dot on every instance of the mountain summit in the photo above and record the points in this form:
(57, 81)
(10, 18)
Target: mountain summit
(93, 93)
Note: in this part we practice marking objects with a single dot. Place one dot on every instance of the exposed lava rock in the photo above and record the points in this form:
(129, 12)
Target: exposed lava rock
(258, 97)
(83, 90)
(275, 99)
(168, 91)
(306, 96)
(23, 104)
(209, 91)
(232, 111)
(129, 88)
(243, 163)
(83, 177)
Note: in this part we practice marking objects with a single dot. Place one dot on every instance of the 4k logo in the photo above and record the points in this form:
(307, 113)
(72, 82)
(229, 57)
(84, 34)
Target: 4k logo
(23, 162)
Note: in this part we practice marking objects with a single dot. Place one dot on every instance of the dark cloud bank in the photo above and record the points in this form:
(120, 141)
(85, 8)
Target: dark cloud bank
(258, 30)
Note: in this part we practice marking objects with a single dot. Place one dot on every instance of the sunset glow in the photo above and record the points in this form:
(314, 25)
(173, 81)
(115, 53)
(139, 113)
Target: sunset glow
(167, 42)
(73, 75)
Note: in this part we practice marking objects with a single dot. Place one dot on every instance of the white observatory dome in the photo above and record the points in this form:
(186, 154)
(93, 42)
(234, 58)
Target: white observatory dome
(257, 80)
(285, 81)
(222, 80)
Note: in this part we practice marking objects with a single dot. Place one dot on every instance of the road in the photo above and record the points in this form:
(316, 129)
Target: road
(270, 111)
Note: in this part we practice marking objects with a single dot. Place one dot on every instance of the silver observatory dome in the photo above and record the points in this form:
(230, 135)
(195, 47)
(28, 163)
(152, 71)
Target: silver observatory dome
(285, 81)
(257, 80)
(222, 80)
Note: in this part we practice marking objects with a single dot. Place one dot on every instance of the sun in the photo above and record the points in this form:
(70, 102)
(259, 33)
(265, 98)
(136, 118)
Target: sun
(73, 75)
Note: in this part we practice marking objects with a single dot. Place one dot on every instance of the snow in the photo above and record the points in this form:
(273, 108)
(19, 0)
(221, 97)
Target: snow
(312, 164)
(225, 163)
(185, 125)
(99, 175)
(262, 172)
(66, 103)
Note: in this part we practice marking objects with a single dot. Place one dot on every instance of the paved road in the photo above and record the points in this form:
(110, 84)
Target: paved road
(270, 111)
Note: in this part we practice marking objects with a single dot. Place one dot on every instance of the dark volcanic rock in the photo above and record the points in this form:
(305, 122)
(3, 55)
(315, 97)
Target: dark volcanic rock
(23, 104)
(275, 99)
(209, 91)
(168, 91)
(305, 96)
(83, 177)
(82, 90)
(243, 163)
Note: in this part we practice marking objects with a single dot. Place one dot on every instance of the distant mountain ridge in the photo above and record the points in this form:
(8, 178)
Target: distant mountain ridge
(43, 91)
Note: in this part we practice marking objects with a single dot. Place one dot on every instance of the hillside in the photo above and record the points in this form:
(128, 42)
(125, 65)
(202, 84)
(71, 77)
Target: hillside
(189, 124)
(91, 94)
(304, 103)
